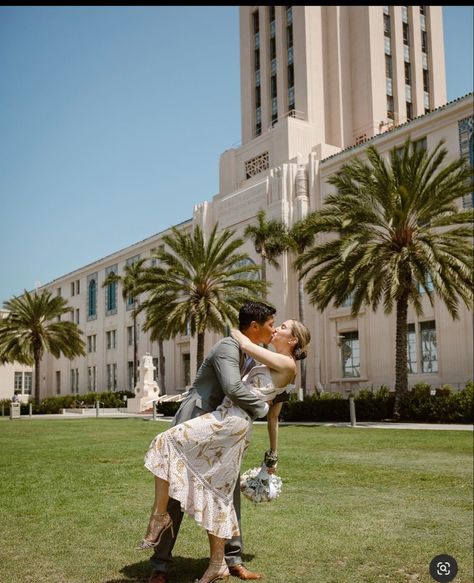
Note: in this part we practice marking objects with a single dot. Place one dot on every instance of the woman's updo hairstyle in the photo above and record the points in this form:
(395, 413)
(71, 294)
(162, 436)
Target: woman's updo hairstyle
(302, 334)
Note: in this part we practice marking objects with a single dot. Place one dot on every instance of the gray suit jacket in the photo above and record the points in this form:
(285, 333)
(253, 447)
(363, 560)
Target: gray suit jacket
(219, 376)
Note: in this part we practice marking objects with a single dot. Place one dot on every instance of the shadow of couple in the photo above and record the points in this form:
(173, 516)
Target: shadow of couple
(183, 570)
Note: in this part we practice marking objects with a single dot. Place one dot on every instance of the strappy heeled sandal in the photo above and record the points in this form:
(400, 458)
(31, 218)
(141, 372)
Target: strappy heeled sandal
(222, 574)
(165, 522)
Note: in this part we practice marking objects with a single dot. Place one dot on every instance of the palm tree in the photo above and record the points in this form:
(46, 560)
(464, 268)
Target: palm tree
(269, 239)
(300, 237)
(32, 327)
(400, 228)
(130, 289)
(199, 285)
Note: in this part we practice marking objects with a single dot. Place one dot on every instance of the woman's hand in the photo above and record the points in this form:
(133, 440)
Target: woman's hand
(237, 335)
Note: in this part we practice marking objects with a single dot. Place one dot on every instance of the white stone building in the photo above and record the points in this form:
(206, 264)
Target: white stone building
(318, 83)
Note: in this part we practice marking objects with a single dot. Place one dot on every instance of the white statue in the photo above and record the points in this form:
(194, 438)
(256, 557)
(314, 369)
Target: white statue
(147, 386)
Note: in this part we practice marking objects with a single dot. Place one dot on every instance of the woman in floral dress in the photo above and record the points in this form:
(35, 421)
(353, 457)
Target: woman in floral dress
(197, 462)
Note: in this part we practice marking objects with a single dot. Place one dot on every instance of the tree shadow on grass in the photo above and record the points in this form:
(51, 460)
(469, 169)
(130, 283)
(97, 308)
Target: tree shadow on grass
(183, 570)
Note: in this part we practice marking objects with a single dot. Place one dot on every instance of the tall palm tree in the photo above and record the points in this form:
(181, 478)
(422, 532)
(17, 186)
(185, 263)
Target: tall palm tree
(400, 227)
(33, 327)
(130, 281)
(269, 239)
(300, 237)
(199, 284)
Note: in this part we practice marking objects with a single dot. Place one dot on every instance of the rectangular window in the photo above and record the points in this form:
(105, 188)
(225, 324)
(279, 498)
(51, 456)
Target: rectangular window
(390, 111)
(424, 41)
(420, 144)
(77, 316)
(406, 34)
(256, 27)
(291, 76)
(92, 379)
(289, 36)
(256, 60)
(429, 353)
(92, 343)
(130, 335)
(271, 13)
(186, 369)
(28, 383)
(426, 80)
(111, 336)
(347, 303)
(407, 73)
(387, 45)
(18, 382)
(272, 48)
(386, 25)
(388, 66)
(411, 349)
(74, 380)
(73, 288)
(111, 377)
(409, 107)
(273, 86)
(58, 382)
(350, 354)
(130, 375)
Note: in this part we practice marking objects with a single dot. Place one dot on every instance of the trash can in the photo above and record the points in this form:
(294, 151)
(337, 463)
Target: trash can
(15, 410)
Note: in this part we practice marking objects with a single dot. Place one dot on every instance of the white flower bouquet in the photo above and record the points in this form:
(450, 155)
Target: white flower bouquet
(258, 485)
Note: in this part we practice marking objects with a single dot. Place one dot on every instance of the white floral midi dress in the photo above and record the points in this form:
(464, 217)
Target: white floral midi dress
(201, 458)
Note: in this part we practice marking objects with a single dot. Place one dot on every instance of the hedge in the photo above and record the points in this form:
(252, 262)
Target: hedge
(417, 405)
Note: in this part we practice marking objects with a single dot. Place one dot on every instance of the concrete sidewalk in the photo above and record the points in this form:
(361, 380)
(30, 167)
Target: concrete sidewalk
(123, 414)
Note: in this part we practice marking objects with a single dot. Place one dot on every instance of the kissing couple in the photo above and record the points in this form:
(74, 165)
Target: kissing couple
(196, 463)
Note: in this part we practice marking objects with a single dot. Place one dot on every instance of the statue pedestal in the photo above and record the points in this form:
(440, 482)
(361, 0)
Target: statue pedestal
(140, 404)
(147, 390)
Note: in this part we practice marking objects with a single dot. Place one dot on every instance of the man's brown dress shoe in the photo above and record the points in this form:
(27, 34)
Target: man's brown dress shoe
(242, 572)
(158, 577)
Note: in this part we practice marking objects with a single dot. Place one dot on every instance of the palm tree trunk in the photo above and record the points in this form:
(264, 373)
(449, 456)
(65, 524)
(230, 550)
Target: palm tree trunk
(200, 349)
(264, 274)
(37, 357)
(401, 358)
(161, 366)
(135, 350)
(301, 315)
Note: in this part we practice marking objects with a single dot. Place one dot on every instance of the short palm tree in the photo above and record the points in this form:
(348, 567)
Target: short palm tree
(199, 284)
(400, 227)
(269, 239)
(301, 236)
(130, 281)
(33, 327)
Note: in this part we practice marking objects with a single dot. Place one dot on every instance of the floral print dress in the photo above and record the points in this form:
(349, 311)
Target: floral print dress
(201, 458)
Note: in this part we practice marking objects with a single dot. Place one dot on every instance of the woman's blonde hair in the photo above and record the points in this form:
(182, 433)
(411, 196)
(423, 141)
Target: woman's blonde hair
(302, 334)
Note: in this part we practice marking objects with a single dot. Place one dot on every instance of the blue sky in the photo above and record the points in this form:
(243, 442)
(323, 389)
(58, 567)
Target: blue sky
(112, 121)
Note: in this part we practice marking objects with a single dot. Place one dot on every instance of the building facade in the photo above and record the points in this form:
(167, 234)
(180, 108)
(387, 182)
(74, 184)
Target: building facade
(318, 83)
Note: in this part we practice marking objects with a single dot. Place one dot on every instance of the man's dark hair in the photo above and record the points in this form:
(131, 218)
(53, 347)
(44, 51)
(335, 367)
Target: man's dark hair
(254, 311)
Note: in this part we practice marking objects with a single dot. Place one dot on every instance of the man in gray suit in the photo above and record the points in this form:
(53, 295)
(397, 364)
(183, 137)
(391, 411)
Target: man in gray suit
(219, 375)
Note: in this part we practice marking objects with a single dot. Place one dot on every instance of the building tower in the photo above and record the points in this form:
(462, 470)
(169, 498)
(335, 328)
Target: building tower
(350, 72)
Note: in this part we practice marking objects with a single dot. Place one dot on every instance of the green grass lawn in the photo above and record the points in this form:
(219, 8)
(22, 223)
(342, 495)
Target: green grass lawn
(357, 505)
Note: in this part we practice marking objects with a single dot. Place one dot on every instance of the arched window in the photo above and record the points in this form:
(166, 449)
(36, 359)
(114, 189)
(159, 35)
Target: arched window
(92, 298)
